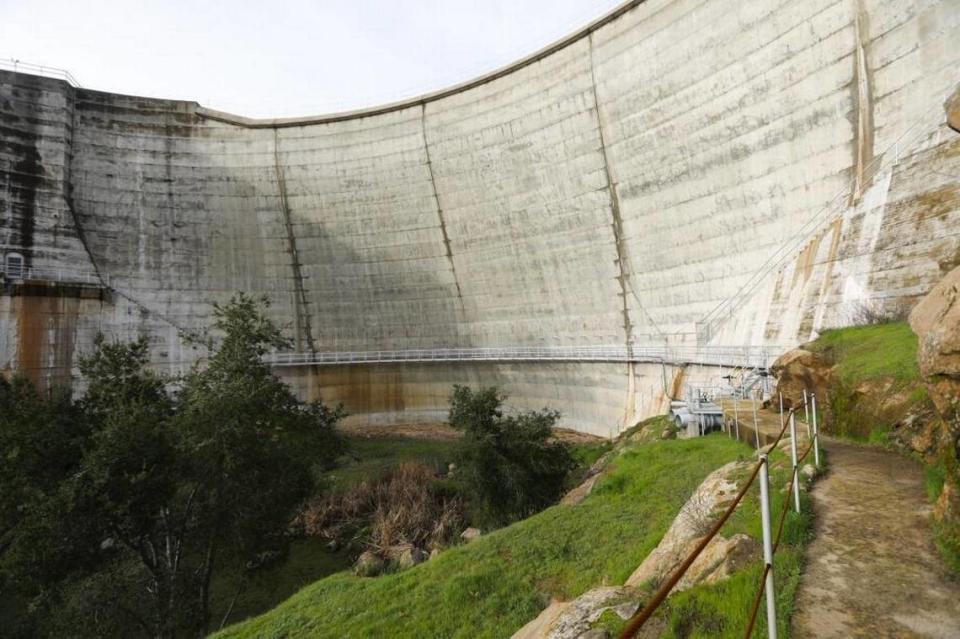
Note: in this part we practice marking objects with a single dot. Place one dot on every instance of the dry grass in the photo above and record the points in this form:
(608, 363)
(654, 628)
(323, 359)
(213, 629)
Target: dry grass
(407, 506)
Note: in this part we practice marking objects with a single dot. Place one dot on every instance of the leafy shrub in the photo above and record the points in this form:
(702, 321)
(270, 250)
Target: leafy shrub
(508, 466)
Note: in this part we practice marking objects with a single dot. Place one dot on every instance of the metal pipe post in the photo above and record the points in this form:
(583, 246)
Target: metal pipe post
(806, 413)
(767, 544)
(756, 424)
(781, 410)
(793, 455)
(816, 434)
(736, 418)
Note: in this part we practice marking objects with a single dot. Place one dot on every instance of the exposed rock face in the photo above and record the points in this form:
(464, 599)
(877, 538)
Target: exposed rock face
(720, 559)
(800, 369)
(572, 619)
(690, 526)
(936, 321)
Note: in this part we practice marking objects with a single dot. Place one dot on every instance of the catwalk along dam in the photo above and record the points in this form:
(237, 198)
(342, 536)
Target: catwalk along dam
(689, 173)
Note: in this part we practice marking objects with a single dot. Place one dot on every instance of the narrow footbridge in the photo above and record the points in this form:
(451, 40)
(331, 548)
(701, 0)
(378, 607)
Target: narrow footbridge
(741, 356)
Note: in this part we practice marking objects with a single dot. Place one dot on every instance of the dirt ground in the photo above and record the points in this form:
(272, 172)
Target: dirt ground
(873, 569)
(440, 431)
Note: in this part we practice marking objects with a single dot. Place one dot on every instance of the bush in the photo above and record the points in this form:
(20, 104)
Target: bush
(407, 506)
(508, 466)
(119, 507)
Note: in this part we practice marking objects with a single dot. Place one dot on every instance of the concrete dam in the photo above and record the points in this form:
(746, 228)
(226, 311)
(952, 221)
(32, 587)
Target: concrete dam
(683, 173)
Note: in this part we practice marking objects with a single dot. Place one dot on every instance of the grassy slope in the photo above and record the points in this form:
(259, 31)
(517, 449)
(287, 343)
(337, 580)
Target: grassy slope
(864, 353)
(493, 586)
(370, 458)
(719, 610)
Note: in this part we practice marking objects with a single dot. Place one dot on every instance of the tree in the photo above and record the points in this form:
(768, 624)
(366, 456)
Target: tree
(250, 445)
(509, 466)
(156, 490)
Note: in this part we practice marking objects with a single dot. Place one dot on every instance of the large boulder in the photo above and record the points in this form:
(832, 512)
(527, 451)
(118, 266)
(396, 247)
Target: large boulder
(800, 370)
(936, 321)
(572, 619)
(692, 523)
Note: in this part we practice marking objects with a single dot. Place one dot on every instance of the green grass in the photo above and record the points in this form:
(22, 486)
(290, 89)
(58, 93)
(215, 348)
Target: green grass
(369, 458)
(871, 352)
(719, 610)
(493, 586)
(307, 561)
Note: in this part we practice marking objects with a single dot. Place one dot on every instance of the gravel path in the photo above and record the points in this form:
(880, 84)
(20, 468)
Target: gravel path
(873, 570)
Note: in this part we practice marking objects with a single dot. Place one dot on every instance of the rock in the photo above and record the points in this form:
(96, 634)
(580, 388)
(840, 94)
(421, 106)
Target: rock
(411, 557)
(798, 370)
(947, 507)
(580, 493)
(808, 471)
(720, 559)
(450, 469)
(936, 321)
(470, 534)
(333, 545)
(690, 525)
(952, 107)
(595, 633)
(435, 553)
(572, 619)
(368, 564)
(801, 369)
(626, 610)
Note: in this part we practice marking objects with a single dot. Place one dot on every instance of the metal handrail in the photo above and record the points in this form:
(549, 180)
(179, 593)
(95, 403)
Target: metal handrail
(64, 275)
(16, 65)
(712, 355)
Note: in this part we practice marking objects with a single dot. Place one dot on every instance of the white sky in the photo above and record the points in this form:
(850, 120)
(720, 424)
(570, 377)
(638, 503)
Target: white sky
(287, 57)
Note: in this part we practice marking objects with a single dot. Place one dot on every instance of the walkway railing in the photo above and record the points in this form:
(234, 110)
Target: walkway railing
(770, 543)
(59, 275)
(12, 64)
(711, 355)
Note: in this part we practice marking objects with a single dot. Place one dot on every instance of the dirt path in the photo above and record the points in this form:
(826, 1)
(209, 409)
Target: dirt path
(873, 570)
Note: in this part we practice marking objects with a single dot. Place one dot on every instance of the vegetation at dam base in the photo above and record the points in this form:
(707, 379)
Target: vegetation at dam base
(497, 583)
(164, 507)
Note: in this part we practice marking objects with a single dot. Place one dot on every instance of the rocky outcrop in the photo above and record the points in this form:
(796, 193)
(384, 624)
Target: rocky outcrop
(695, 519)
(572, 619)
(936, 321)
(801, 369)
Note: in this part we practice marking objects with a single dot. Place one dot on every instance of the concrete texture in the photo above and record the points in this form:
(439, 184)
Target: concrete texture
(614, 187)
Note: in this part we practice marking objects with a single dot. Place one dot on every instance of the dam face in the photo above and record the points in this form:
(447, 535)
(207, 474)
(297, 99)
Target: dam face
(792, 159)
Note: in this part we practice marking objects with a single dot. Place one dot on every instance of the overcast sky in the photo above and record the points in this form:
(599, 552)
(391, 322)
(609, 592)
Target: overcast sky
(286, 57)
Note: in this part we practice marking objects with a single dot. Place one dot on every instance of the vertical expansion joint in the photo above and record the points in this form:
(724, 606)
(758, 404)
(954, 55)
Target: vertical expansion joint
(301, 315)
(436, 200)
(68, 189)
(617, 219)
(863, 101)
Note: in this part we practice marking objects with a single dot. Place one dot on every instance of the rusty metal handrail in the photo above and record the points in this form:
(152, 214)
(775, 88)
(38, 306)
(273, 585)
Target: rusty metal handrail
(641, 617)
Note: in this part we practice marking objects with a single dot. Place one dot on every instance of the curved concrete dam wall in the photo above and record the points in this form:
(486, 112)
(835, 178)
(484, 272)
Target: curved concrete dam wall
(612, 189)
